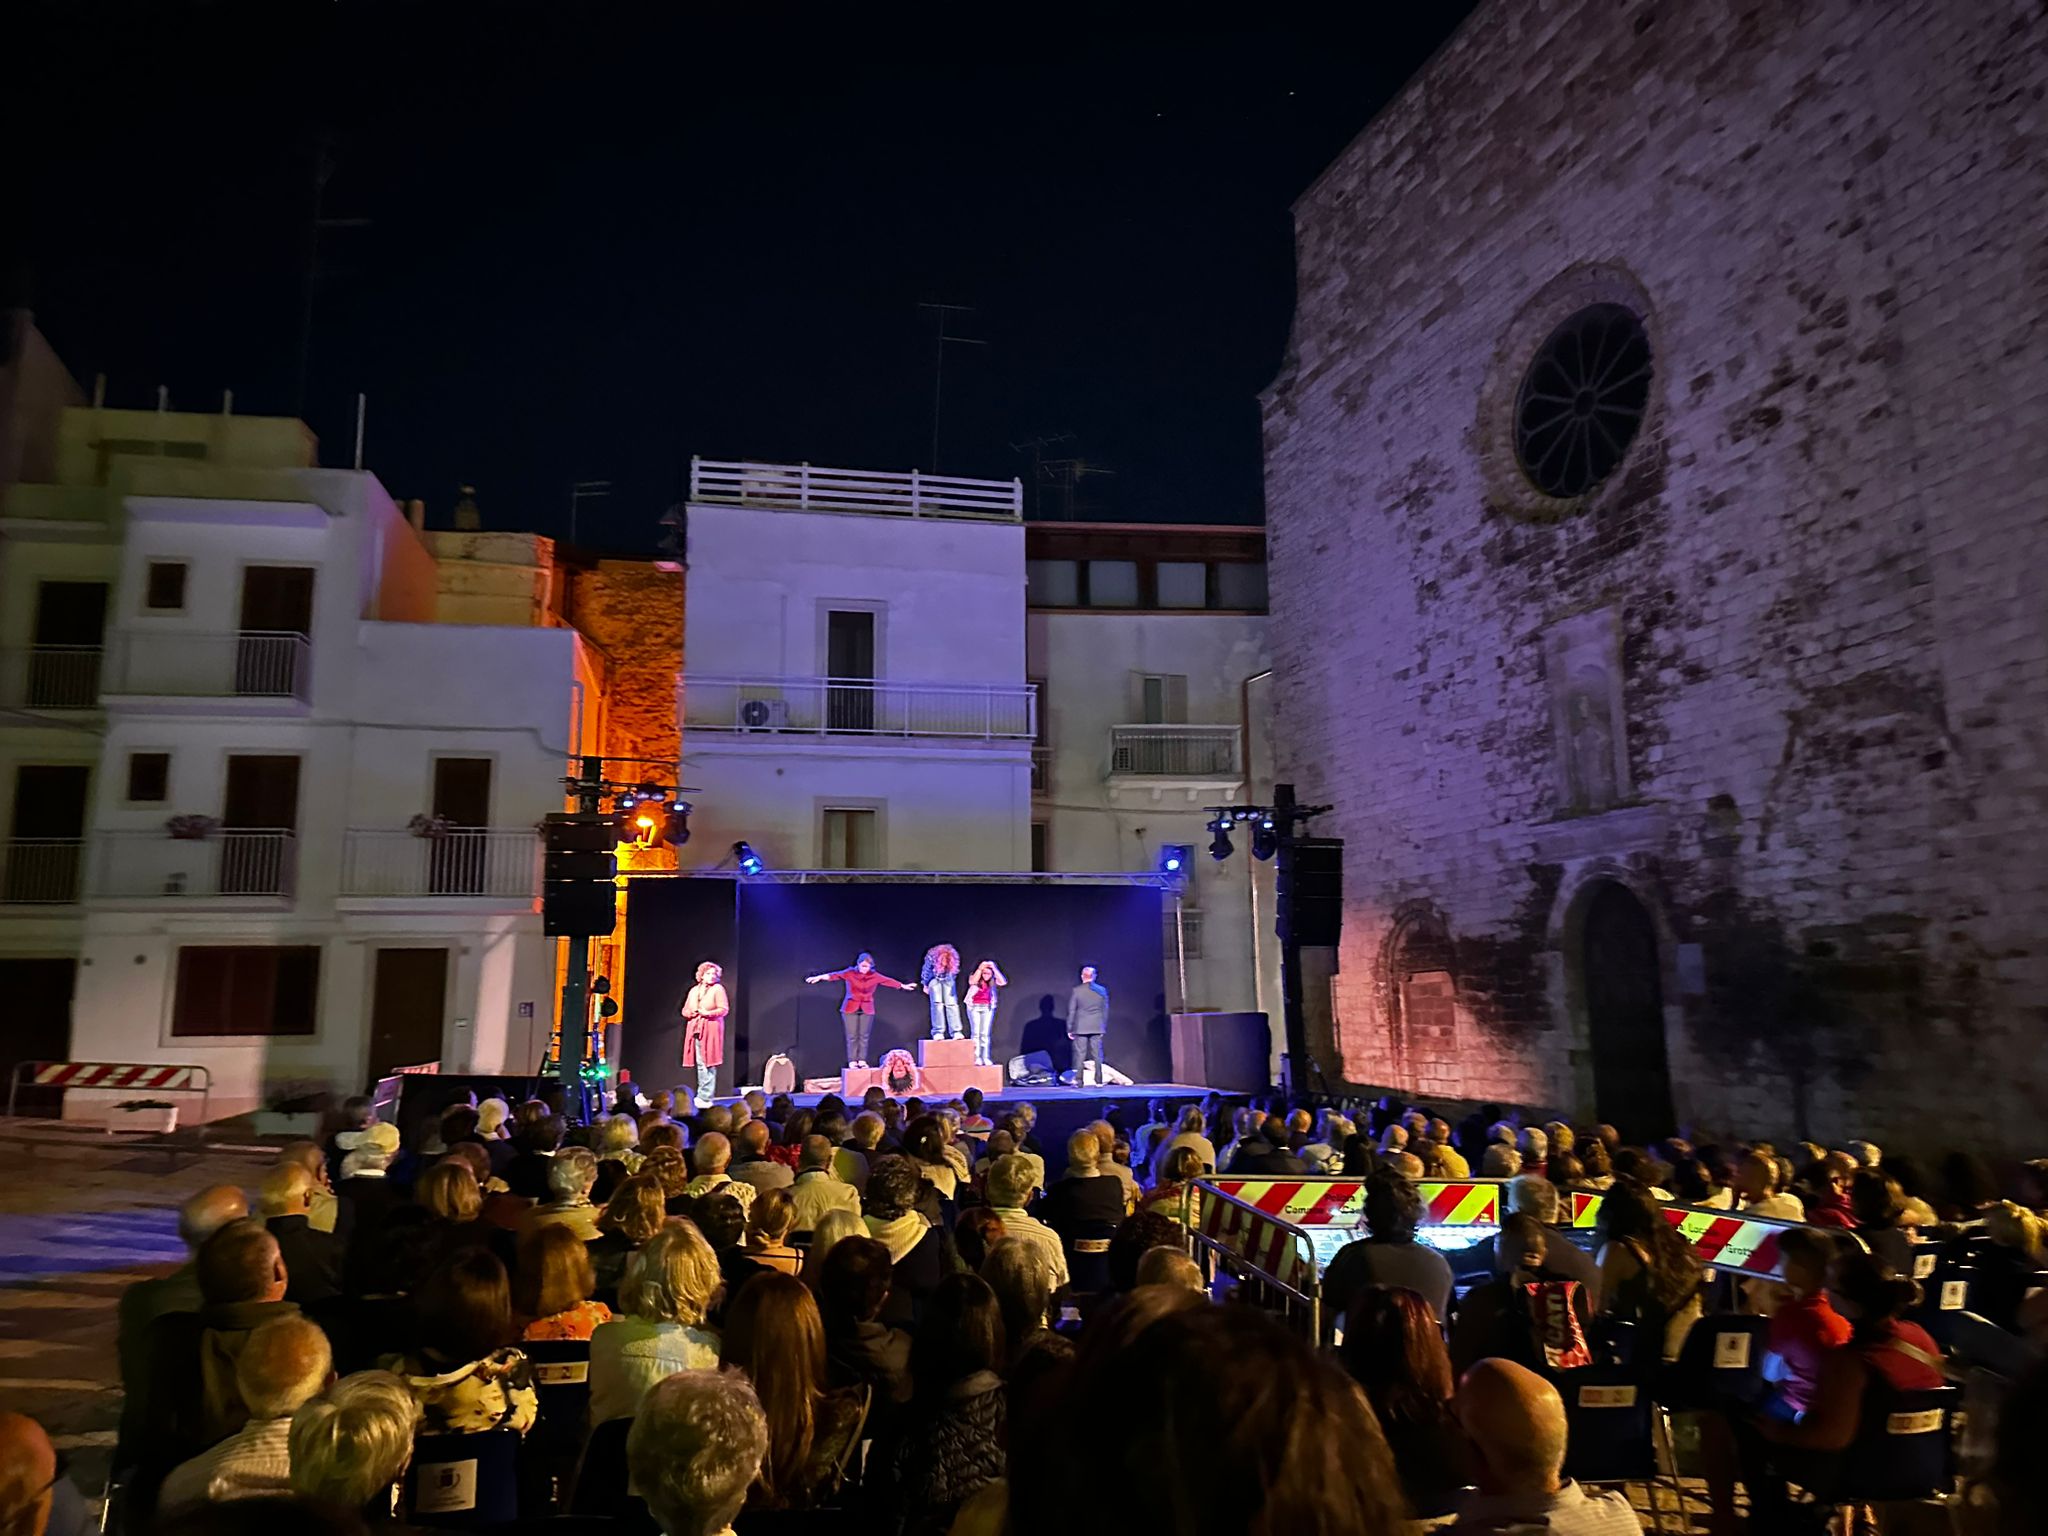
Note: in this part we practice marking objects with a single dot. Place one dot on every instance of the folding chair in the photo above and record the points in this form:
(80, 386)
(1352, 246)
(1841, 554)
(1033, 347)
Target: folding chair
(464, 1482)
(1907, 1456)
(1611, 1423)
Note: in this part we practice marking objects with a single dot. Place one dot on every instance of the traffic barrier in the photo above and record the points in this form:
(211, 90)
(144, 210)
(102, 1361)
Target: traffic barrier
(149, 1077)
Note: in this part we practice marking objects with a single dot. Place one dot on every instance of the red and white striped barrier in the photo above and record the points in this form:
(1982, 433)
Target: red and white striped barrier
(122, 1076)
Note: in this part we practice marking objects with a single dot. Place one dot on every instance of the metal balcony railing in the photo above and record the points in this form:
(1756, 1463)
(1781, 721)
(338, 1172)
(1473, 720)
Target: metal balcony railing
(248, 664)
(850, 706)
(41, 871)
(51, 677)
(235, 861)
(1176, 752)
(804, 488)
(467, 861)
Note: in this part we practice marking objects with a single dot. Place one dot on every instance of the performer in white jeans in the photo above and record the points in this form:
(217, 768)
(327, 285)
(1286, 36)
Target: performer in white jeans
(704, 1012)
(981, 1006)
(941, 981)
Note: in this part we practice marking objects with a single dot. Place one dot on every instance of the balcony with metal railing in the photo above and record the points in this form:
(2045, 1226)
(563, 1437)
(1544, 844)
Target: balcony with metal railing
(501, 863)
(231, 862)
(806, 488)
(1206, 754)
(51, 677)
(860, 707)
(42, 871)
(256, 665)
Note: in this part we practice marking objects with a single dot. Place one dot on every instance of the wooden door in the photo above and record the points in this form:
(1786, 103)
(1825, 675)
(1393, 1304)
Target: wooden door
(46, 834)
(64, 659)
(850, 662)
(261, 806)
(462, 798)
(408, 999)
(38, 994)
(1625, 1016)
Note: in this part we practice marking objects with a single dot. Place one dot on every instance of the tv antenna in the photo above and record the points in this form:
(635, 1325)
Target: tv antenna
(944, 314)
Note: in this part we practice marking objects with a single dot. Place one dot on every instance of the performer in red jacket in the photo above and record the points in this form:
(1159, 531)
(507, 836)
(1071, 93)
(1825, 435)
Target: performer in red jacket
(857, 1010)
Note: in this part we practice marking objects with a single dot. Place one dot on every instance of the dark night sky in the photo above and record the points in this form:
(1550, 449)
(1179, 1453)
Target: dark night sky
(603, 239)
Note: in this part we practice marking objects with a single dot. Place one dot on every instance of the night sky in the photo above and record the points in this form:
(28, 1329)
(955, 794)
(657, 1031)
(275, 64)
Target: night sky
(601, 240)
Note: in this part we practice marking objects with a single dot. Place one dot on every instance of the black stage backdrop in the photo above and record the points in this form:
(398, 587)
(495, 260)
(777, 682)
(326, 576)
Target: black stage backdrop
(769, 936)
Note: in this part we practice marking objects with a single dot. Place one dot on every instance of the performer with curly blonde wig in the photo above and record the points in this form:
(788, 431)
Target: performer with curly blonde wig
(941, 981)
(704, 1012)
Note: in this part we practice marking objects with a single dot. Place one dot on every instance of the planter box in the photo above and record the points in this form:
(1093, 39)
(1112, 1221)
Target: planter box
(157, 1122)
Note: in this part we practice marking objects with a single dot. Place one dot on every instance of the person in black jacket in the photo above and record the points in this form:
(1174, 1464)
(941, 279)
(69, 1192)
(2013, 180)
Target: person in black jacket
(311, 1259)
(860, 1350)
(917, 1245)
(948, 1444)
(1265, 1151)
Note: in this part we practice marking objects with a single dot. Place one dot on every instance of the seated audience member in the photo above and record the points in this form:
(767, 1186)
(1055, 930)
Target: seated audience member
(466, 1372)
(1758, 1192)
(616, 1140)
(1885, 1356)
(552, 1285)
(629, 1220)
(1506, 1319)
(832, 1227)
(1389, 1253)
(353, 1441)
(1564, 1258)
(1267, 1151)
(670, 1168)
(1138, 1236)
(1087, 1195)
(142, 1303)
(1598, 1161)
(711, 1157)
(1106, 1163)
(1015, 1270)
(447, 1219)
(1880, 1212)
(1648, 1275)
(1394, 1349)
(1221, 1415)
(924, 1143)
(1187, 1133)
(526, 1172)
(860, 1148)
(946, 1445)
(1171, 1267)
(1242, 1120)
(774, 1334)
(817, 1188)
(695, 1449)
(190, 1397)
(325, 1212)
(669, 1287)
(1514, 1421)
(978, 1230)
(723, 1222)
(753, 1165)
(972, 1120)
(37, 1497)
(917, 1248)
(285, 1363)
(357, 1112)
(1010, 1182)
(768, 1228)
(1324, 1149)
(2009, 1266)
(493, 1120)
(656, 1134)
(1834, 1175)
(571, 1173)
(1168, 1197)
(860, 1349)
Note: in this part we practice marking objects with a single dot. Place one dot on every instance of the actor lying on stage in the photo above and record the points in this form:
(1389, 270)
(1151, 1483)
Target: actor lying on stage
(1087, 1021)
(941, 981)
(981, 1006)
(857, 1010)
(704, 1012)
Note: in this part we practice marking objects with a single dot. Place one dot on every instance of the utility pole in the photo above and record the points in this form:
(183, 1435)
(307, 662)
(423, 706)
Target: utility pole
(939, 363)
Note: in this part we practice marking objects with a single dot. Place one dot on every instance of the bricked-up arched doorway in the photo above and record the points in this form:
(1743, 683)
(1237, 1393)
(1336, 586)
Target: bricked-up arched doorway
(1625, 1014)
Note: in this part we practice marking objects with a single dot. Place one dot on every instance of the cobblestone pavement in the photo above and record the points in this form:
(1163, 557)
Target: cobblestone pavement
(77, 1224)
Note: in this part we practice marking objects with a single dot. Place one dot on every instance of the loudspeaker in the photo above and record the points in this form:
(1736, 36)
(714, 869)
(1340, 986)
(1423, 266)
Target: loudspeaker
(1310, 890)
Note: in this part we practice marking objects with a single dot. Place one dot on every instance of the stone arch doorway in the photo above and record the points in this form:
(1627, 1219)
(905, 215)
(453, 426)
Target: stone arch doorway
(1624, 992)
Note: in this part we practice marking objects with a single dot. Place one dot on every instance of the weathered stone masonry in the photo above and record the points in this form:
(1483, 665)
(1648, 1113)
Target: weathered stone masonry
(1784, 674)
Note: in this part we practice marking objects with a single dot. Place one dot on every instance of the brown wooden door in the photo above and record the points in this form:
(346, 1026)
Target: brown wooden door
(1625, 1016)
(64, 662)
(462, 798)
(261, 804)
(46, 832)
(407, 1000)
(278, 599)
(38, 994)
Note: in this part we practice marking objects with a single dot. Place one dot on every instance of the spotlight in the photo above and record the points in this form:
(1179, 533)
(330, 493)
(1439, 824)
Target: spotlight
(675, 829)
(1220, 846)
(1174, 859)
(749, 861)
(1265, 839)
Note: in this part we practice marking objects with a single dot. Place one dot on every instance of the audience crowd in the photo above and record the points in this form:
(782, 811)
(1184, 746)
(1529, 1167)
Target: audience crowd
(761, 1318)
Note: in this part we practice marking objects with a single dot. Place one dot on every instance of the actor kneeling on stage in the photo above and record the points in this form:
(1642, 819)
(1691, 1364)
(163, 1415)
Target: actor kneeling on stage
(857, 1010)
(1087, 1021)
(981, 1006)
(941, 981)
(704, 1012)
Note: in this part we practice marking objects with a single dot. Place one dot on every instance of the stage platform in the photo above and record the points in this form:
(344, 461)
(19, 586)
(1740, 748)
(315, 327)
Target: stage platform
(1024, 1092)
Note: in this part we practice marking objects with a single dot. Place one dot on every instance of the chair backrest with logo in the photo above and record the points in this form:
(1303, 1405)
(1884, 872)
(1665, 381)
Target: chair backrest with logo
(561, 1377)
(1904, 1452)
(464, 1482)
(1608, 1411)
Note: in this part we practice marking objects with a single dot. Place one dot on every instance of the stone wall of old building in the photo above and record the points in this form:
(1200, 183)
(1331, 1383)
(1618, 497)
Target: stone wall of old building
(1741, 756)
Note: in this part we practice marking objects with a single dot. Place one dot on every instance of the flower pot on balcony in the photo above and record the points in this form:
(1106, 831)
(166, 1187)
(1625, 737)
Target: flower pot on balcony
(192, 828)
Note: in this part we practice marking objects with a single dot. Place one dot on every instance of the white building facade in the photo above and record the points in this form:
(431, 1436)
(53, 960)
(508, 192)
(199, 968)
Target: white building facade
(1147, 644)
(854, 693)
(282, 823)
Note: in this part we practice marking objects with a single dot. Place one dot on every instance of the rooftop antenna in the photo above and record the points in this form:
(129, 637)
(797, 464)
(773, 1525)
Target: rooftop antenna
(944, 312)
(362, 416)
(1036, 447)
(1065, 477)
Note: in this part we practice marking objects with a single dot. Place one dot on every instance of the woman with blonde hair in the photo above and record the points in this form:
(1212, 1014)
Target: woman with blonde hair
(704, 1011)
(768, 1224)
(940, 979)
(982, 984)
(774, 1333)
(669, 1287)
(831, 1227)
(552, 1285)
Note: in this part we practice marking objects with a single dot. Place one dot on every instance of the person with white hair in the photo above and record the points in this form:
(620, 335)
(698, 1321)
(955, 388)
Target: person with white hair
(354, 1440)
(695, 1448)
(670, 1285)
(1393, 1139)
(618, 1141)
(572, 1172)
(283, 1365)
(1325, 1152)
(312, 1259)
(1867, 1153)
(1500, 1162)
(1169, 1266)
(1188, 1132)
(493, 1117)
(712, 1158)
(1010, 1182)
(1535, 1148)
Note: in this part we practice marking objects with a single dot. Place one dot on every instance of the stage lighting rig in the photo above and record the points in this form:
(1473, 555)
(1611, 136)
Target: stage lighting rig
(1220, 845)
(1176, 863)
(749, 862)
(1265, 838)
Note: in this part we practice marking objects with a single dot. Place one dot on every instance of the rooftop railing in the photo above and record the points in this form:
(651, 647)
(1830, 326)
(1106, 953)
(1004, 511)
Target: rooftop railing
(805, 488)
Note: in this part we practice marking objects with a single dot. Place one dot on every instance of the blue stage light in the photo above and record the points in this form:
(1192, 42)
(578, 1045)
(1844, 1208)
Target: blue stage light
(749, 862)
(1175, 859)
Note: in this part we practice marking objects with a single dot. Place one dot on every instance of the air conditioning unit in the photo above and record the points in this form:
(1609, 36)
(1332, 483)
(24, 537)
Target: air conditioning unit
(764, 714)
